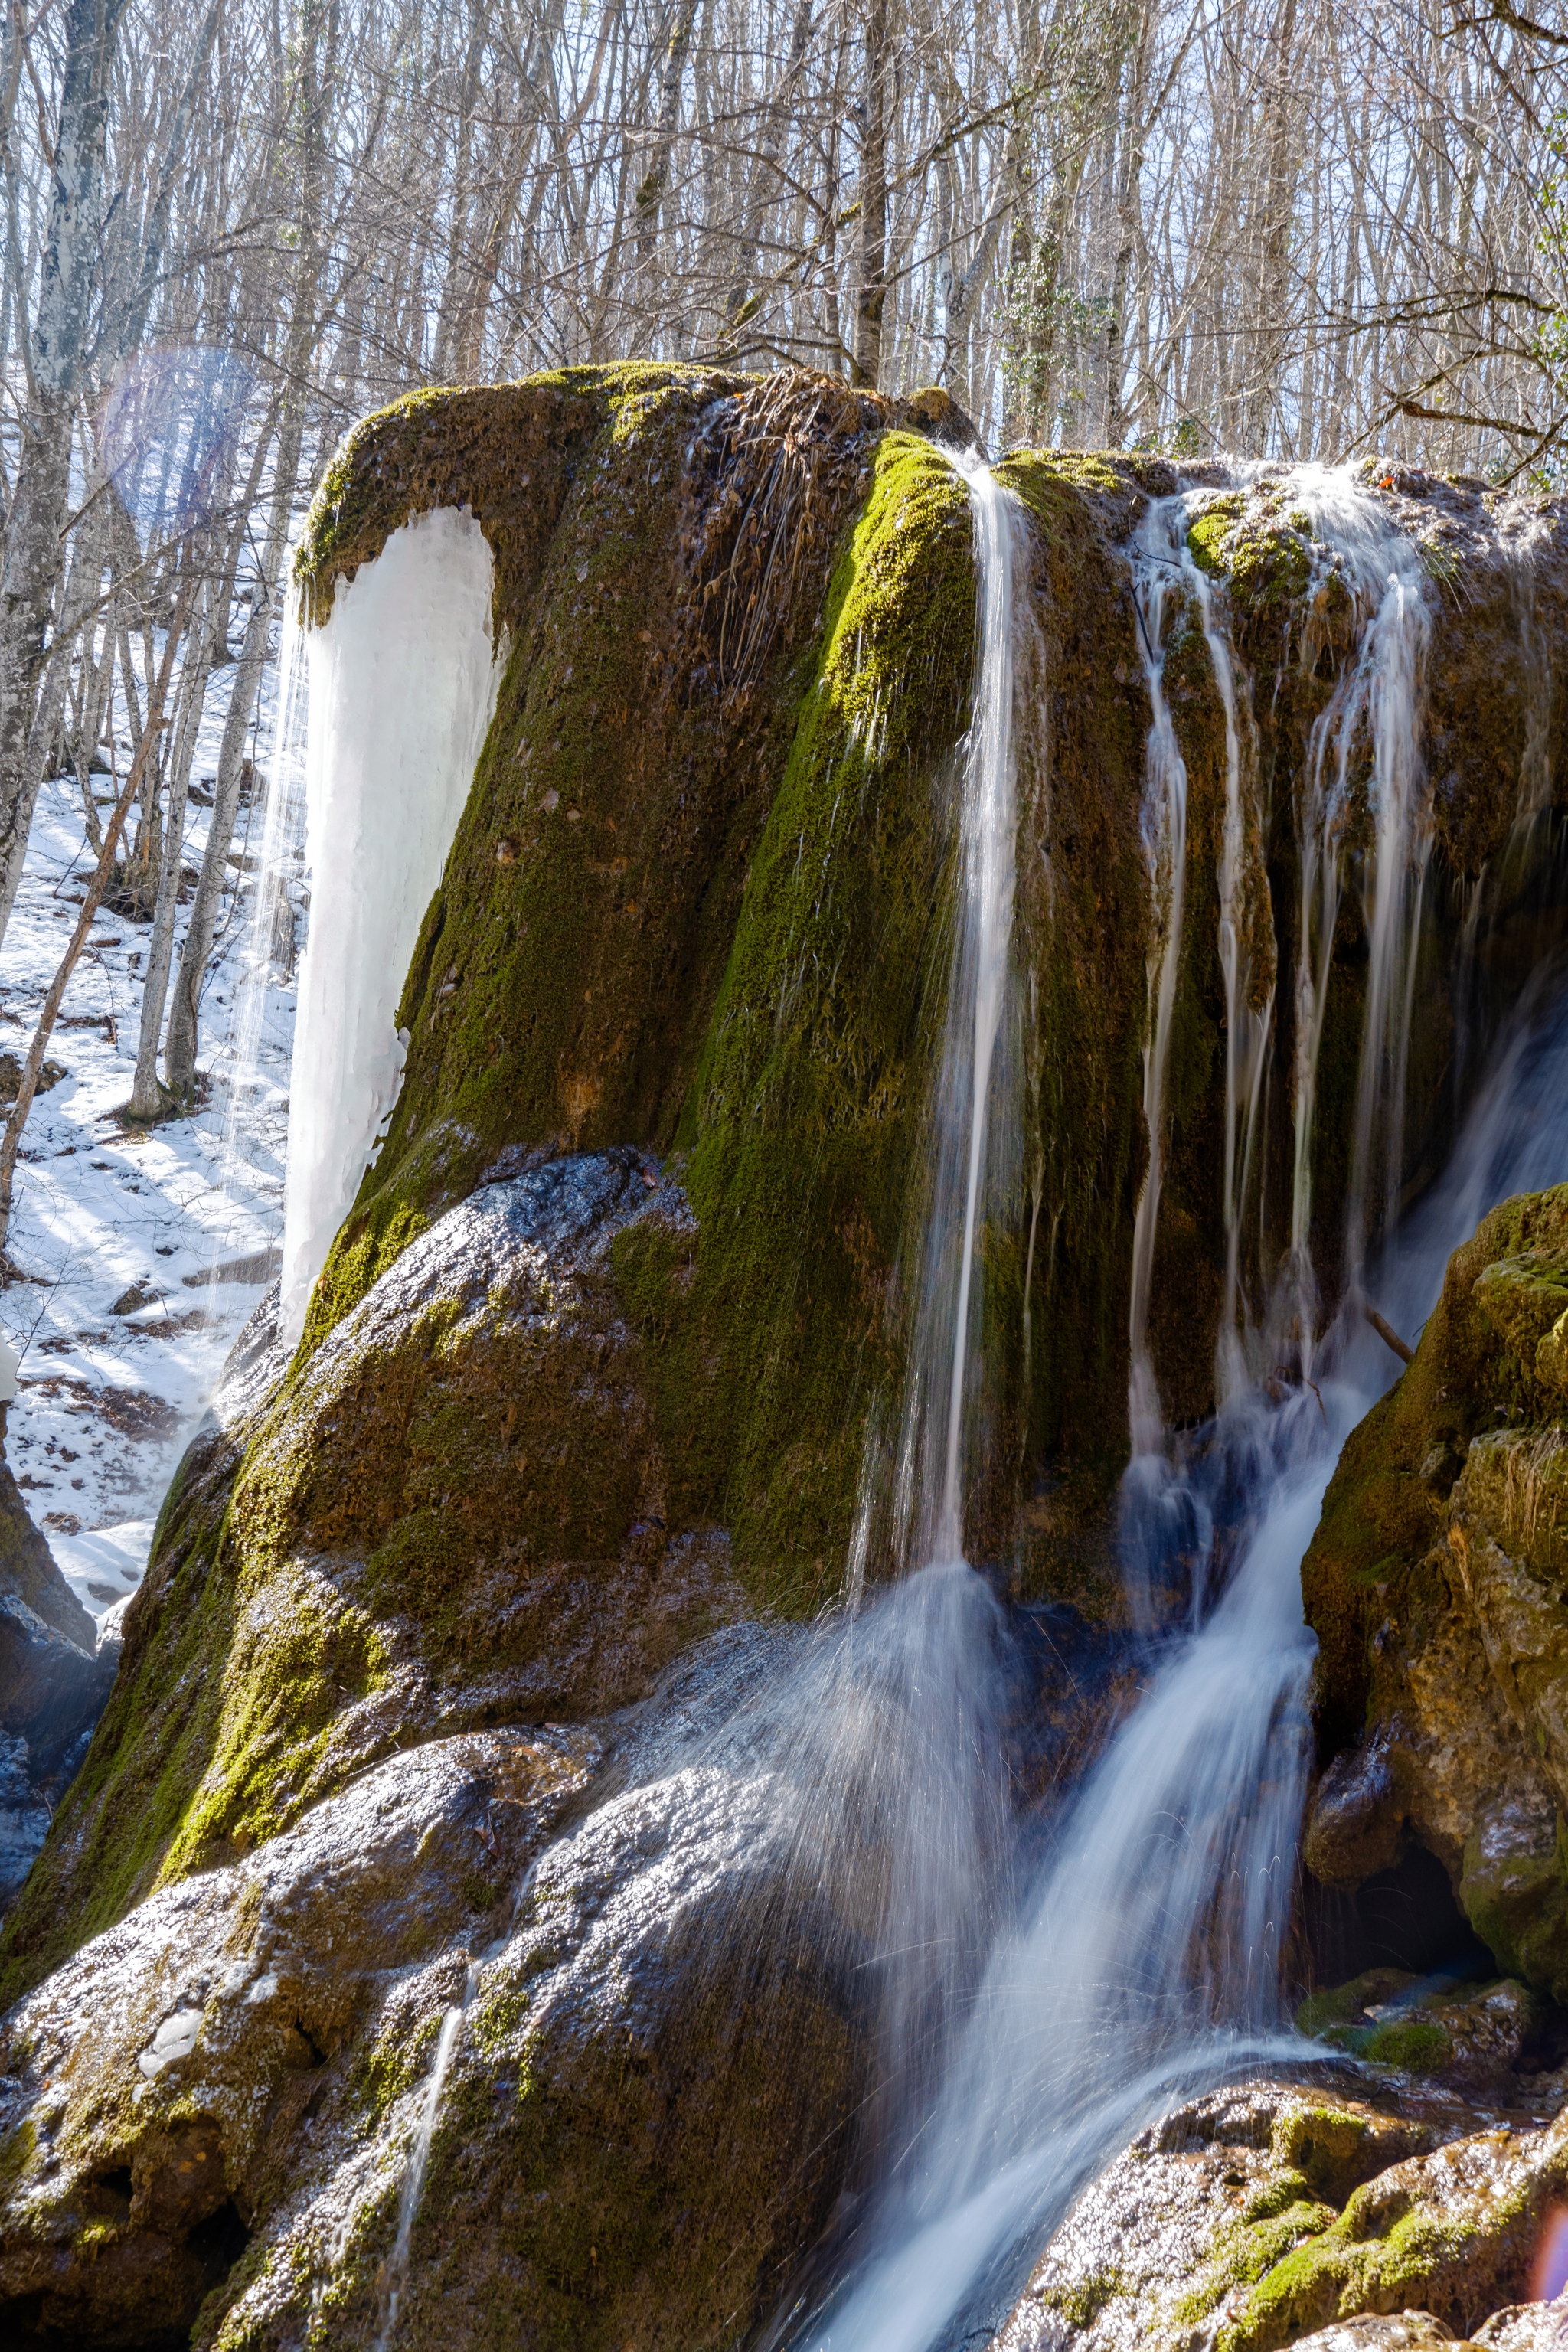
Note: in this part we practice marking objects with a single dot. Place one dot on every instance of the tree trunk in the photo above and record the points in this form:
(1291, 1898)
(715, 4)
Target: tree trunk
(873, 271)
(33, 558)
(146, 1102)
(181, 1048)
(10, 1142)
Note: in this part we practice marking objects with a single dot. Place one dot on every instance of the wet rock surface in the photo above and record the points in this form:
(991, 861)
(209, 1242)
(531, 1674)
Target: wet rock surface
(54, 1680)
(645, 2118)
(1435, 1583)
(1344, 2210)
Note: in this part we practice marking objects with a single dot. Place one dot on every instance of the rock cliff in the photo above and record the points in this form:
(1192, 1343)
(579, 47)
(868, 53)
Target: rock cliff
(420, 1766)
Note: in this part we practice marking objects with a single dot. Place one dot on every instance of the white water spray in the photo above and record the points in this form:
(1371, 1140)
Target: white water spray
(404, 678)
(1144, 1964)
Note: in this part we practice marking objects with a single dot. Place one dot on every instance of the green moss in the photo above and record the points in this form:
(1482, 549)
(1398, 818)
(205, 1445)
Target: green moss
(1081, 2303)
(350, 1272)
(1381, 1518)
(811, 1084)
(689, 2164)
(17, 2152)
(1249, 2249)
(1346, 2005)
(1415, 2045)
(1209, 532)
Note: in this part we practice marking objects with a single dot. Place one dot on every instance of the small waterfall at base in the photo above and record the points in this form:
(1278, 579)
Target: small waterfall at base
(1142, 1964)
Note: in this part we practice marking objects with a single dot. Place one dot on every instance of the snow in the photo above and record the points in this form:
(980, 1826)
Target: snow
(402, 684)
(106, 1401)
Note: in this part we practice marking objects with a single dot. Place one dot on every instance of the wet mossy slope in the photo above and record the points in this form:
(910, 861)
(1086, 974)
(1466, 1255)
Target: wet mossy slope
(663, 538)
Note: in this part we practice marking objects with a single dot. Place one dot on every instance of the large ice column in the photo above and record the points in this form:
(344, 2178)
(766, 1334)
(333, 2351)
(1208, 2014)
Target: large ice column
(402, 686)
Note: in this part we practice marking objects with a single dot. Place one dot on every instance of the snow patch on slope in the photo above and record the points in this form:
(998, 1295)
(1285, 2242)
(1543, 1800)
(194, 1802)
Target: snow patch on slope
(403, 679)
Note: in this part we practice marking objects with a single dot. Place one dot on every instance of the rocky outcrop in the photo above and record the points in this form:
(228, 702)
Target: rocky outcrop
(54, 1680)
(1344, 2213)
(207, 2115)
(454, 1515)
(410, 1781)
(1435, 1585)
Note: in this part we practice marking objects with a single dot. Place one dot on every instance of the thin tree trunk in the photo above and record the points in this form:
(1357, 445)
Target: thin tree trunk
(146, 1102)
(33, 558)
(10, 1142)
(873, 257)
(181, 1046)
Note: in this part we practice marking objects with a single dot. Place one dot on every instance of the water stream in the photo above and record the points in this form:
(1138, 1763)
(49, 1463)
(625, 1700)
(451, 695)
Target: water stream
(1039, 1991)
(1156, 578)
(1138, 1957)
(929, 1490)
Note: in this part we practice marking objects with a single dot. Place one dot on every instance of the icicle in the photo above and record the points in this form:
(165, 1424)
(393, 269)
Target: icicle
(404, 678)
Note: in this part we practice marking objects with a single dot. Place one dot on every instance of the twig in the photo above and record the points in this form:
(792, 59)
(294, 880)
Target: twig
(1386, 1332)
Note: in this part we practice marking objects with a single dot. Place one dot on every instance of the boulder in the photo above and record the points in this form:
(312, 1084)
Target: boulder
(1353, 2216)
(207, 2118)
(54, 1680)
(1435, 1583)
(454, 1513)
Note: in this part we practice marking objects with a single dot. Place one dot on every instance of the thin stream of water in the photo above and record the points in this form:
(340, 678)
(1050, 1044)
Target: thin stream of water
(1165, 846)
(928, 1504)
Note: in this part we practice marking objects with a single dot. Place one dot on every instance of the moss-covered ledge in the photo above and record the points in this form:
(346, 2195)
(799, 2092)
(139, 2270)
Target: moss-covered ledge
(569, 962)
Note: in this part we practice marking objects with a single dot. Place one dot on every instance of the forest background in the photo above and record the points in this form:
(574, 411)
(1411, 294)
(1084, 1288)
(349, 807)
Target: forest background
(1288, 228)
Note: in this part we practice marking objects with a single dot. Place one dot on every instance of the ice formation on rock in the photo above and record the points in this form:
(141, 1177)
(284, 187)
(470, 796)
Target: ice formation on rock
(402, 686)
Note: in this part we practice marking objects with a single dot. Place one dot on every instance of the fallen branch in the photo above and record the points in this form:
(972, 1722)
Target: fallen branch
(1387, 1334)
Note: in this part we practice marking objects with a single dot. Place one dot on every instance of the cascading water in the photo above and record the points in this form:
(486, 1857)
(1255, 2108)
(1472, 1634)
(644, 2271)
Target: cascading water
(1165, 845)
(1375, 706)
(1145, 1958)
(928, 1497)
(1165, 575)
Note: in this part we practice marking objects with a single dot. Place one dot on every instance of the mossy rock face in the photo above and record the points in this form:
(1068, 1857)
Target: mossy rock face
(456, 1514)
(1469, 2037)
(566, 972)
(1255, 2216)
(1435, 1584)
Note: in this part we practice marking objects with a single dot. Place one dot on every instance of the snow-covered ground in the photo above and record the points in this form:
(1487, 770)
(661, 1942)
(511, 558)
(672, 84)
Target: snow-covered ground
(145, 1250)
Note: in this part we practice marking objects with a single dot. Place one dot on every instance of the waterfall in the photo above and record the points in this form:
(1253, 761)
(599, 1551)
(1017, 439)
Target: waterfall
(1140, 1958)
(1143, 1963)
(1165, 846)
(1376, 704)
(929, 1473)
(253, 1069)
